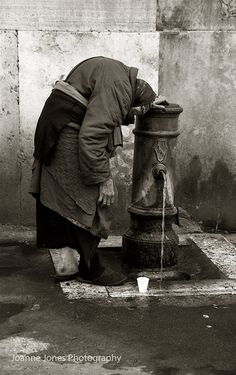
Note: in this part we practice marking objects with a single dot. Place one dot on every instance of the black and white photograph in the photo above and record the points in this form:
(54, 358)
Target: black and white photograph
(118, 187)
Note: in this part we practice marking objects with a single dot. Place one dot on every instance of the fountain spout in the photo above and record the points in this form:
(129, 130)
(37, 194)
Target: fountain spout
(159, 170)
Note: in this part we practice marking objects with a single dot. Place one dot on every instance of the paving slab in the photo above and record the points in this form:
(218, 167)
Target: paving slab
(218, 250)
(76, 290)
(173, 289)
(215, 247)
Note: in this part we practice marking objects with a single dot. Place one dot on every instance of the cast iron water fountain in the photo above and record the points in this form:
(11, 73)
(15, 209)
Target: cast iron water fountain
(151, 245)
(150, 241)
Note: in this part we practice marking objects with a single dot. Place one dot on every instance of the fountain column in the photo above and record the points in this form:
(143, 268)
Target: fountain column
(155, 136)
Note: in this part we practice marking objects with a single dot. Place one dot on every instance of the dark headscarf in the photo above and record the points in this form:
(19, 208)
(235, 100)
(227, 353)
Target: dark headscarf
(144, 94)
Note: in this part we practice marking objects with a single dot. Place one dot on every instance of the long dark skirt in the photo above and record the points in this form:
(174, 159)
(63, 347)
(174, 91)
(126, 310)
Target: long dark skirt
(54, 231)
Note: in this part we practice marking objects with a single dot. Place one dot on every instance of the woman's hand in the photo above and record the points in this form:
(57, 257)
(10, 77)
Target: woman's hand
(159, 102)
(106, 193)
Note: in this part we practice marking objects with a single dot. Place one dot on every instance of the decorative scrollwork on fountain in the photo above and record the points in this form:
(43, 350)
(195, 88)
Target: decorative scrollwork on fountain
(160, 149)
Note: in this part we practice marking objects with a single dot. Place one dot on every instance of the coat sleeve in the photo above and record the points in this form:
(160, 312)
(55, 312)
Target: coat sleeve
(106, 110)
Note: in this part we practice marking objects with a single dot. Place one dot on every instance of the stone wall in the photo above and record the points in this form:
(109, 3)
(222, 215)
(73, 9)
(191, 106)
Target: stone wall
(198, 70)
(41, 40)
(79, 15)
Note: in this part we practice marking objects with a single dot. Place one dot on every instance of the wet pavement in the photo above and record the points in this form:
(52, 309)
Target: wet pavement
(42, 332)
(206, 267)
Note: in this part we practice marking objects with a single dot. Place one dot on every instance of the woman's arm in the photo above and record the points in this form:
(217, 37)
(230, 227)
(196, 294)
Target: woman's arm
(106, 110)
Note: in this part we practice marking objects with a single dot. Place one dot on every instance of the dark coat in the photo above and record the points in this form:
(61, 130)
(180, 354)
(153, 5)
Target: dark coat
(59, 109)
(109, 86)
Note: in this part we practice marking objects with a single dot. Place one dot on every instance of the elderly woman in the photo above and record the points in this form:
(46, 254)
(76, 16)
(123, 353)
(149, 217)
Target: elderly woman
(77, 133)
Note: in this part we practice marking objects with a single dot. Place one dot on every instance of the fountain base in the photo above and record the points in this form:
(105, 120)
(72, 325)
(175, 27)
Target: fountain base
(142, 243)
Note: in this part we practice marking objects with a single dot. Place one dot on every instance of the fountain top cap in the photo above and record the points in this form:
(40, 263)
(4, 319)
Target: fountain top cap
(171, 108)
(159, 123)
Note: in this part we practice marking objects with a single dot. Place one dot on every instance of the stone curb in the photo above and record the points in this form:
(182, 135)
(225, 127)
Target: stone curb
(74, 290)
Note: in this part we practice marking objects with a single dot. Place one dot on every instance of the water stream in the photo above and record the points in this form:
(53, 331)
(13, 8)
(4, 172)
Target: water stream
(163, 223)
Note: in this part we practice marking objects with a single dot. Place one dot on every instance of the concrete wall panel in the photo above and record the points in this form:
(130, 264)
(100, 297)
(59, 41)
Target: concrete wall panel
(198, 71)
(9, 129)
(196, 14)
(79, 15)
(44, 56)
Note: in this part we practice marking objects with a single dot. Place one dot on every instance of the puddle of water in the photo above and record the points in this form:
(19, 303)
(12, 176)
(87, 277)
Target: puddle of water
(191, 265)
(13, 259)
(8, 270)
(192, 262)
(9, 309)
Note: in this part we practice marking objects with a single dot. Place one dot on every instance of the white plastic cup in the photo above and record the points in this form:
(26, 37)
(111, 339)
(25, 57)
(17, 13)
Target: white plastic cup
(142, 284)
